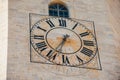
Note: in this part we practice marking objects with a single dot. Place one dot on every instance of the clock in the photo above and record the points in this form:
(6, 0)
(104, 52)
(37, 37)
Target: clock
(63, 41)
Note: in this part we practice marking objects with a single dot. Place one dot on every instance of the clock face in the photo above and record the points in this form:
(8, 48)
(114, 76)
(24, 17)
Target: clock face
(63, 41)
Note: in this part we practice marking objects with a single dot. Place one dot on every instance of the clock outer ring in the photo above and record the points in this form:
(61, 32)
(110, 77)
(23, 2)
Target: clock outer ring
(57, 63)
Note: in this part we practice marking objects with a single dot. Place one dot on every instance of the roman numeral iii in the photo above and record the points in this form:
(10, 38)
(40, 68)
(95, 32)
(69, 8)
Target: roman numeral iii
(88, 43)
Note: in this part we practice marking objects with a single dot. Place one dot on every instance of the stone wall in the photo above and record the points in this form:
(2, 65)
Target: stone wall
(19, 65)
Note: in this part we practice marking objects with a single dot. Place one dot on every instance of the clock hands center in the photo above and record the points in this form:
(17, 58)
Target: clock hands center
(62, 43)
(59, 47)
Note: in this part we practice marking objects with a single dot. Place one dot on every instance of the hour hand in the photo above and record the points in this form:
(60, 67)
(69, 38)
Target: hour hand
(65, 37)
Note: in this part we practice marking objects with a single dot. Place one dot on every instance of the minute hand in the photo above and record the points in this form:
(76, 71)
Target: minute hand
(62, 43)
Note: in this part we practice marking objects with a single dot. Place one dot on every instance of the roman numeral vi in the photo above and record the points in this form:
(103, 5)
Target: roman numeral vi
(65, 60)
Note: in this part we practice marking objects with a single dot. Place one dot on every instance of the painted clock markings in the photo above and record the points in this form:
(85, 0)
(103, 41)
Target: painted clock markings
(87, 51)
(41, 45)
(50, 23)
(41, 37)
(62, 22)
(75, 26)
(38, 27)
(65, 60)
(51, 55)
(84, 34)
(79, 59)
(88, 43)
(59, 56)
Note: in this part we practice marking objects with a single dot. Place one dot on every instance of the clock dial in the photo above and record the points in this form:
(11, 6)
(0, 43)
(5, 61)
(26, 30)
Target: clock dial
(71, 45)
(63, 41)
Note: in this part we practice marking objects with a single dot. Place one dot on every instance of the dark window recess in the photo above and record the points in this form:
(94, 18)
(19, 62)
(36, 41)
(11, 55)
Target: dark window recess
(58, 10)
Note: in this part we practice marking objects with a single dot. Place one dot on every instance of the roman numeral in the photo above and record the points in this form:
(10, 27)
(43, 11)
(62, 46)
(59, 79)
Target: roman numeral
(65, 60)
(38, 37)
(62, 22)
(84, 34)
(38, 27)
(87, 51)
(75, 26)
(50, 23)
(88, 43)
(43, 49)
(41, 45)
(51, 55)
(79, 59)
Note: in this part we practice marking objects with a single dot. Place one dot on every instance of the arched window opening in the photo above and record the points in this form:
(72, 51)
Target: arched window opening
(58, 10)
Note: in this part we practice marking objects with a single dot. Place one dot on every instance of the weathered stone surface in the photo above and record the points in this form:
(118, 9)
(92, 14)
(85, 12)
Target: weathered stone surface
(19, 66)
